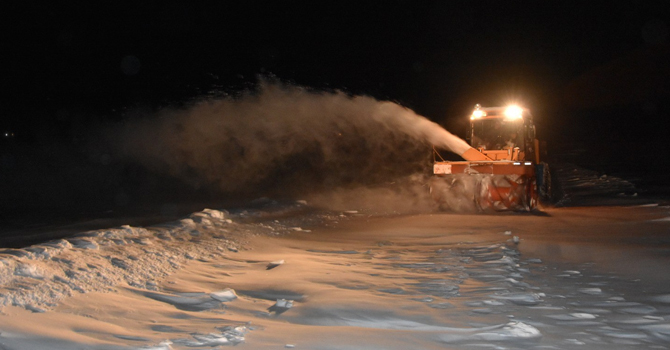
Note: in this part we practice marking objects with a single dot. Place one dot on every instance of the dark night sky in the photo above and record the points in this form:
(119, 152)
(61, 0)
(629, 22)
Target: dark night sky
(595, 73)
(437, 57)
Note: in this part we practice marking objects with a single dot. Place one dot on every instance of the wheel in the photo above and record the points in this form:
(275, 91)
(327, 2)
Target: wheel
(544, 189)
(532, 195)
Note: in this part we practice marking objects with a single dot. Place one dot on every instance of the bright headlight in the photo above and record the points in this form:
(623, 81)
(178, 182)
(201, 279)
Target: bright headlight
(513, 112)
(477, 114)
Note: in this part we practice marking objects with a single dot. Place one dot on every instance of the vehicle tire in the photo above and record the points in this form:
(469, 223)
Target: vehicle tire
(545, 187)
(532, 195)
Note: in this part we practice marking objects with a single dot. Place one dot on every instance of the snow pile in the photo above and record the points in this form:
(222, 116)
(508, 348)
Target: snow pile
(39, 276)
(513, 331)
(579, 185)
(228, 336)
(224, 295)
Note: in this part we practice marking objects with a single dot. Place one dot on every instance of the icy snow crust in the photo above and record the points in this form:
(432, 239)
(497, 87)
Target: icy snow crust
(39, 276)
(413, 292)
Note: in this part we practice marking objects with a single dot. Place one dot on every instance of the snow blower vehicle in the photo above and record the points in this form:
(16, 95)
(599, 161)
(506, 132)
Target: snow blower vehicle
(501, 170)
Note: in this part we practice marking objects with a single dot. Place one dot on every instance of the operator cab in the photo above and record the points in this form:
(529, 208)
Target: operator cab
(502, 133)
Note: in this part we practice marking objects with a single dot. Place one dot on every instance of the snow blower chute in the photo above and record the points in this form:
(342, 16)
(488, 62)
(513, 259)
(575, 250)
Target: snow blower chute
(501, 170)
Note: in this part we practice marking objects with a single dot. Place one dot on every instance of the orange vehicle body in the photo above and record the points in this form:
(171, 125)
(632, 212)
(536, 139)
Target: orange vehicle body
(499, 172)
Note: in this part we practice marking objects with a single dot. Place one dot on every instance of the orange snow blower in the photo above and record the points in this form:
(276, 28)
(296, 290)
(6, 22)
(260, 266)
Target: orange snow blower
(501, 170)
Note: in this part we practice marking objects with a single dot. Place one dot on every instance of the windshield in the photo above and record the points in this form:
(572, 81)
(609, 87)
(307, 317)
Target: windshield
(497, 134)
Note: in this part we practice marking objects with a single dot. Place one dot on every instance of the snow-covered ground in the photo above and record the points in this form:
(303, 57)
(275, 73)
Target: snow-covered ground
(289, 276)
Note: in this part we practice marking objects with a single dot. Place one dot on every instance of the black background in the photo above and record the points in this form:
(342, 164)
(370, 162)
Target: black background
(595, 73)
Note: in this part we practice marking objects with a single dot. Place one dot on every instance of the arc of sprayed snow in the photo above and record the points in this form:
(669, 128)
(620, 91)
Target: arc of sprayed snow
(419, 127)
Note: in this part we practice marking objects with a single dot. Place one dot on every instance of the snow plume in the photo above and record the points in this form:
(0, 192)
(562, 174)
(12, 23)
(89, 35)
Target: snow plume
(286, 140)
